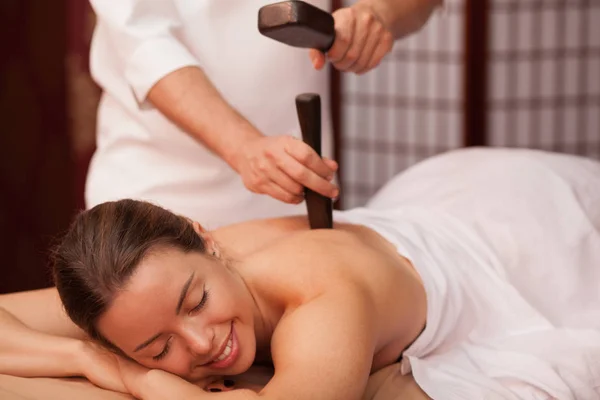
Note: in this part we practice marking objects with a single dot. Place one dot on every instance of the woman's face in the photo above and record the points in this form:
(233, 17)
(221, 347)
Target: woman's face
(187, 314)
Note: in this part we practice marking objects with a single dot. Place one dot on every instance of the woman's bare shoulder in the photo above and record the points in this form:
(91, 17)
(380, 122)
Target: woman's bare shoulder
(247, 237)
(316, 246)
(307, 263)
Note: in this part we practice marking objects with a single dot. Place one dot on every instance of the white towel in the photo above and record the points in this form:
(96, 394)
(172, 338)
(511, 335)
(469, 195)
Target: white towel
(507, 243)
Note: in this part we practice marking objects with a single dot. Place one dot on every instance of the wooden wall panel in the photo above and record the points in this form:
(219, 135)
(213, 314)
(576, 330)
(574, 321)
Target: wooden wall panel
(36, 165)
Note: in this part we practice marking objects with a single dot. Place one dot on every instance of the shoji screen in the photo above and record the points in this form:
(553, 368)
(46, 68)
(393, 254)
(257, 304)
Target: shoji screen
(407, 109)
(544, 75)
(527, 70)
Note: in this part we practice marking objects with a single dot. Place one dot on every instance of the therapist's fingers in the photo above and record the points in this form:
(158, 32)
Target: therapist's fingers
(377, 57)
(378, 40)
(287, 184)
(312, 181)
(287, 189)
(378, 46)
(344, 34)
(331, 164)
(362, 24)
(308, 157)
(371, 45)
(282, 166)
(282, 187)
(302, 170)
(317, 58)
(279, 193)
(362, 40)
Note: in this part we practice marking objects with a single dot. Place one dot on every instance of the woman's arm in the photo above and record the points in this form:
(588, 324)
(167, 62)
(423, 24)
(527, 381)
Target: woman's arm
(37, 339)
(27, 352)
(36, 336)
(41, 310)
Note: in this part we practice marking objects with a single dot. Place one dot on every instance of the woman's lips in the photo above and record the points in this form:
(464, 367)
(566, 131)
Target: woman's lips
(229, 354)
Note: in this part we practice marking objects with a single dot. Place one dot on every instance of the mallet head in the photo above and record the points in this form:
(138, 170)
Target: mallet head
(297, 24)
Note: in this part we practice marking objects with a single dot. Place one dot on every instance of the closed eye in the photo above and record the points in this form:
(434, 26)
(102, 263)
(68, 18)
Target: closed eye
(165, 351)
(202, 302)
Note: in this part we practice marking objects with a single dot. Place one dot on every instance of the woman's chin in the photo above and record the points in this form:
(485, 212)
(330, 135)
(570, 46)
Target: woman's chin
(240, 367)
(242, 364)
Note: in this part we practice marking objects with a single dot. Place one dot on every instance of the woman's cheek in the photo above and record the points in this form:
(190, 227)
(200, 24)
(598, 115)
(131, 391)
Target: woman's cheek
(178, 363)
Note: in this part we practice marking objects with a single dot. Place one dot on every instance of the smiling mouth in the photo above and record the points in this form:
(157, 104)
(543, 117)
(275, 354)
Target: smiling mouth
(228, 354)
(226, 351)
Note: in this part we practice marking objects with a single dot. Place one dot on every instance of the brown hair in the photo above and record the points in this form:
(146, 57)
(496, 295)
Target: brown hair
(103, 247)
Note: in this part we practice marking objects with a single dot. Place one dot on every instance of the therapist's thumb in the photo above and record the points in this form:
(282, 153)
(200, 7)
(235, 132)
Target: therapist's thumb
(317, 58)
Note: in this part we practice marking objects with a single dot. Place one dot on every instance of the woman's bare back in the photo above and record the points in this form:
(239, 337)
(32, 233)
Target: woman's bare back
(303, 265)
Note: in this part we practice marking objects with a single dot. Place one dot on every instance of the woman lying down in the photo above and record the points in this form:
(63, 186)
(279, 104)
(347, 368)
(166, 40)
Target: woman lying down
(478, 271)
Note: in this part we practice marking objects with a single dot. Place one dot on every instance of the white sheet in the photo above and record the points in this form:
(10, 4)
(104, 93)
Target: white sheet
(508, 245)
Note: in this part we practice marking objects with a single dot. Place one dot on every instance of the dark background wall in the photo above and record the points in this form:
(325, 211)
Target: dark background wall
(36, 165)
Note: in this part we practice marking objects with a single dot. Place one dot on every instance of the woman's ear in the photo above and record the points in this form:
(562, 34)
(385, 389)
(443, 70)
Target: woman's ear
(198, 228)
(211, 246)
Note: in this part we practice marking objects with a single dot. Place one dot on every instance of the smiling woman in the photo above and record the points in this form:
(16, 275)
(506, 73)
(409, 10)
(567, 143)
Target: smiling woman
(440, 274)
(168, 317)
(160, 290)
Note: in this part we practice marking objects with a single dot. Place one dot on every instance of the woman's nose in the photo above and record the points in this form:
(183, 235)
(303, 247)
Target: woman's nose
(199, 341)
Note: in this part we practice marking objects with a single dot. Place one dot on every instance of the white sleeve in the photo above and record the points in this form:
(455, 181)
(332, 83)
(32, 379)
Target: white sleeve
(143, 34)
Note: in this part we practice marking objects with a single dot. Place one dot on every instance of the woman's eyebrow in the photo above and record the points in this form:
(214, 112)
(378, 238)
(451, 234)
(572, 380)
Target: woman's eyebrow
(182, 295)
(147, 342)
(184, 291)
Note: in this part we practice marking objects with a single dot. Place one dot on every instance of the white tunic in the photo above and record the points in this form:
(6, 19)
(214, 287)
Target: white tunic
(140, 154)
(507, 243)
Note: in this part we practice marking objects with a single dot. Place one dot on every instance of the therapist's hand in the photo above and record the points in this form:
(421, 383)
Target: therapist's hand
(281, 166)
(361, 42)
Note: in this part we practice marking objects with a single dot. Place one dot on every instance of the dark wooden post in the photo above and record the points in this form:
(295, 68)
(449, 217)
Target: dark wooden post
(476, 72)
(336, 115)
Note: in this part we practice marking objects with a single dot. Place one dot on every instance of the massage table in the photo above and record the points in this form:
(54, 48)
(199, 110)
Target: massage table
(14, 388)
(387, 384)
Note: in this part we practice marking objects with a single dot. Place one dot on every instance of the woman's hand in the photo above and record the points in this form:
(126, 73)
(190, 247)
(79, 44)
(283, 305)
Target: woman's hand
(361, 40)
(137, 380)
(155, 384)
(133, 376)
(100, 366)
(281, 166)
